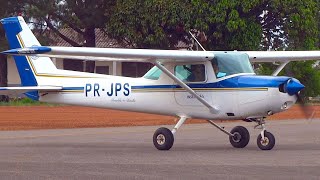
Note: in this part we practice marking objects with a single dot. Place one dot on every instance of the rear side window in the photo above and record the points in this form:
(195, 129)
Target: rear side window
(154, 73)
(190, 72)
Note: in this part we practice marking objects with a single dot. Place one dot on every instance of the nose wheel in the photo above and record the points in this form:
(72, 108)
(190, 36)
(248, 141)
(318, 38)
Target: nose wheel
(267, 142)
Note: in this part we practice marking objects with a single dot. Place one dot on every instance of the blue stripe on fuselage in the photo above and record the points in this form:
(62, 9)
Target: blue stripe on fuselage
(73, 88)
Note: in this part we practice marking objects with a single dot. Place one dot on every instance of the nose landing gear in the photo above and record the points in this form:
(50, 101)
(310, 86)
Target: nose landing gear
(266, 143)
(265, 140)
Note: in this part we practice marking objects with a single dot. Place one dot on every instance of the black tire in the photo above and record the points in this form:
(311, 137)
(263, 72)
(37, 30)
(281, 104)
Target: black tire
(241, 137)
(268, 143)
(163, 139)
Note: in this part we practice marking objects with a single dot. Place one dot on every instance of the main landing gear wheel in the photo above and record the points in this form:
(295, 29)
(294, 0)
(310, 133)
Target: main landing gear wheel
(267, 143)
(240, 137)
(163, 139)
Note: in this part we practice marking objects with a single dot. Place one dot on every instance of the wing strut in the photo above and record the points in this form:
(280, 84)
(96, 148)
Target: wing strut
(280, 67)
(212, 109)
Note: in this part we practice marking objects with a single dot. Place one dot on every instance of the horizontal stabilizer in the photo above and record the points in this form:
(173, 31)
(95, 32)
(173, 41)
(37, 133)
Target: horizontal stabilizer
(24, 89)
(30, 50)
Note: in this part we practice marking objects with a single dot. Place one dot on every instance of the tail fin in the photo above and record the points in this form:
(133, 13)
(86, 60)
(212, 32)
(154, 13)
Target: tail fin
(19, 36)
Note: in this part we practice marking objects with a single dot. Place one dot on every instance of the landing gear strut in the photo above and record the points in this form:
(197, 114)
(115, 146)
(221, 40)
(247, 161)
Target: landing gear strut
(265, 140)
(239, 136)
(163, 138)
(266, 143)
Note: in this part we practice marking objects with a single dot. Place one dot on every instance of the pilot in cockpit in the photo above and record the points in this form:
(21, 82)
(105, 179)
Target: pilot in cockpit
(198, 72)
(216, 69)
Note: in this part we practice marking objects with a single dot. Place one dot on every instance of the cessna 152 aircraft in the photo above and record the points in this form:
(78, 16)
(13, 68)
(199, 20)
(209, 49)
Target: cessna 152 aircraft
(209, 85)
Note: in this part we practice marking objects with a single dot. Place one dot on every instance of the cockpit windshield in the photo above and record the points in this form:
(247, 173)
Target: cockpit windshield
(225, 64)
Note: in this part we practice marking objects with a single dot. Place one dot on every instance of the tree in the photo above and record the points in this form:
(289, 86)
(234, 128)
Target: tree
(82, 16)
(229, 25)
(156, 24)
(150, 24)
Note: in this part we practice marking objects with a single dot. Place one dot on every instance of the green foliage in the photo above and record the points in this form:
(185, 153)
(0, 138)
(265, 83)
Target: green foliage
(229, 25)
(308, 75)
(25, 102)
(72, 13)
(264, 68)
(150, 24)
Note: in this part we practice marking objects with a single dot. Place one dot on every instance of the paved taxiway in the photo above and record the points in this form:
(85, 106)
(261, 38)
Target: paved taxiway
(200, 152)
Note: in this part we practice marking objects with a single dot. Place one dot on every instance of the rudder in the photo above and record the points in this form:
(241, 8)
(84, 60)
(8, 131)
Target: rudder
(20, 36)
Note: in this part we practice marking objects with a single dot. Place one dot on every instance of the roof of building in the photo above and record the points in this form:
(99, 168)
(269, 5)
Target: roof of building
(102, 40)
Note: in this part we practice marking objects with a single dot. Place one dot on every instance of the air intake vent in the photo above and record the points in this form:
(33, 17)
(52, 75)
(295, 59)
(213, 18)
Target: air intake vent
(230, 114)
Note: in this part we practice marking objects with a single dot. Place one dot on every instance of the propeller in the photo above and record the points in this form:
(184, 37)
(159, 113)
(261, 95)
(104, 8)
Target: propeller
(294, 87)
(307, 110)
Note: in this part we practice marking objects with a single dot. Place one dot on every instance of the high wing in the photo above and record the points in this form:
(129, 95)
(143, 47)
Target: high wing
(113, 54)
(150, 55)
(281, 56)
(24, 89)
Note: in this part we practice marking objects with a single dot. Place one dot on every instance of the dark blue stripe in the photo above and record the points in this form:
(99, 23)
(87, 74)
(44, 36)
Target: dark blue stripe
(29, 50)
(155, 87)
(73, 88)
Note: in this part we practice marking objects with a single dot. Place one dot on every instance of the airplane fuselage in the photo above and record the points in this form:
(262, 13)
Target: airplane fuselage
(239, 100)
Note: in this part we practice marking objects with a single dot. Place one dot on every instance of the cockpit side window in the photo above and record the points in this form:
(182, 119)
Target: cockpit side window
(191, 72)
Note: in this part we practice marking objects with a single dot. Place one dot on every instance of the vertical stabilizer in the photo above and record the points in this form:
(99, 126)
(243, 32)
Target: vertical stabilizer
(19, 35)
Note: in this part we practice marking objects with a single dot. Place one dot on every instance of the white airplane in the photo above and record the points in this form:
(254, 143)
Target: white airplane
(209, 85)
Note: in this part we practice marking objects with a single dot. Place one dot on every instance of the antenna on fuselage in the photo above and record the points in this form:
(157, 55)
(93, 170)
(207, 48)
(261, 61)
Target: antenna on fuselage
(197, 41)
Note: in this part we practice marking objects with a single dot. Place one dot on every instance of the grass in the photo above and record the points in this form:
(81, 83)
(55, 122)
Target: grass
(25, 102)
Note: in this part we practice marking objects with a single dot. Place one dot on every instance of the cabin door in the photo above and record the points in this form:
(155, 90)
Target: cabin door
(195, 76)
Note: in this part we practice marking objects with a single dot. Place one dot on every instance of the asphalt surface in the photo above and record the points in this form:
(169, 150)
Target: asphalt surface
(200, 152)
